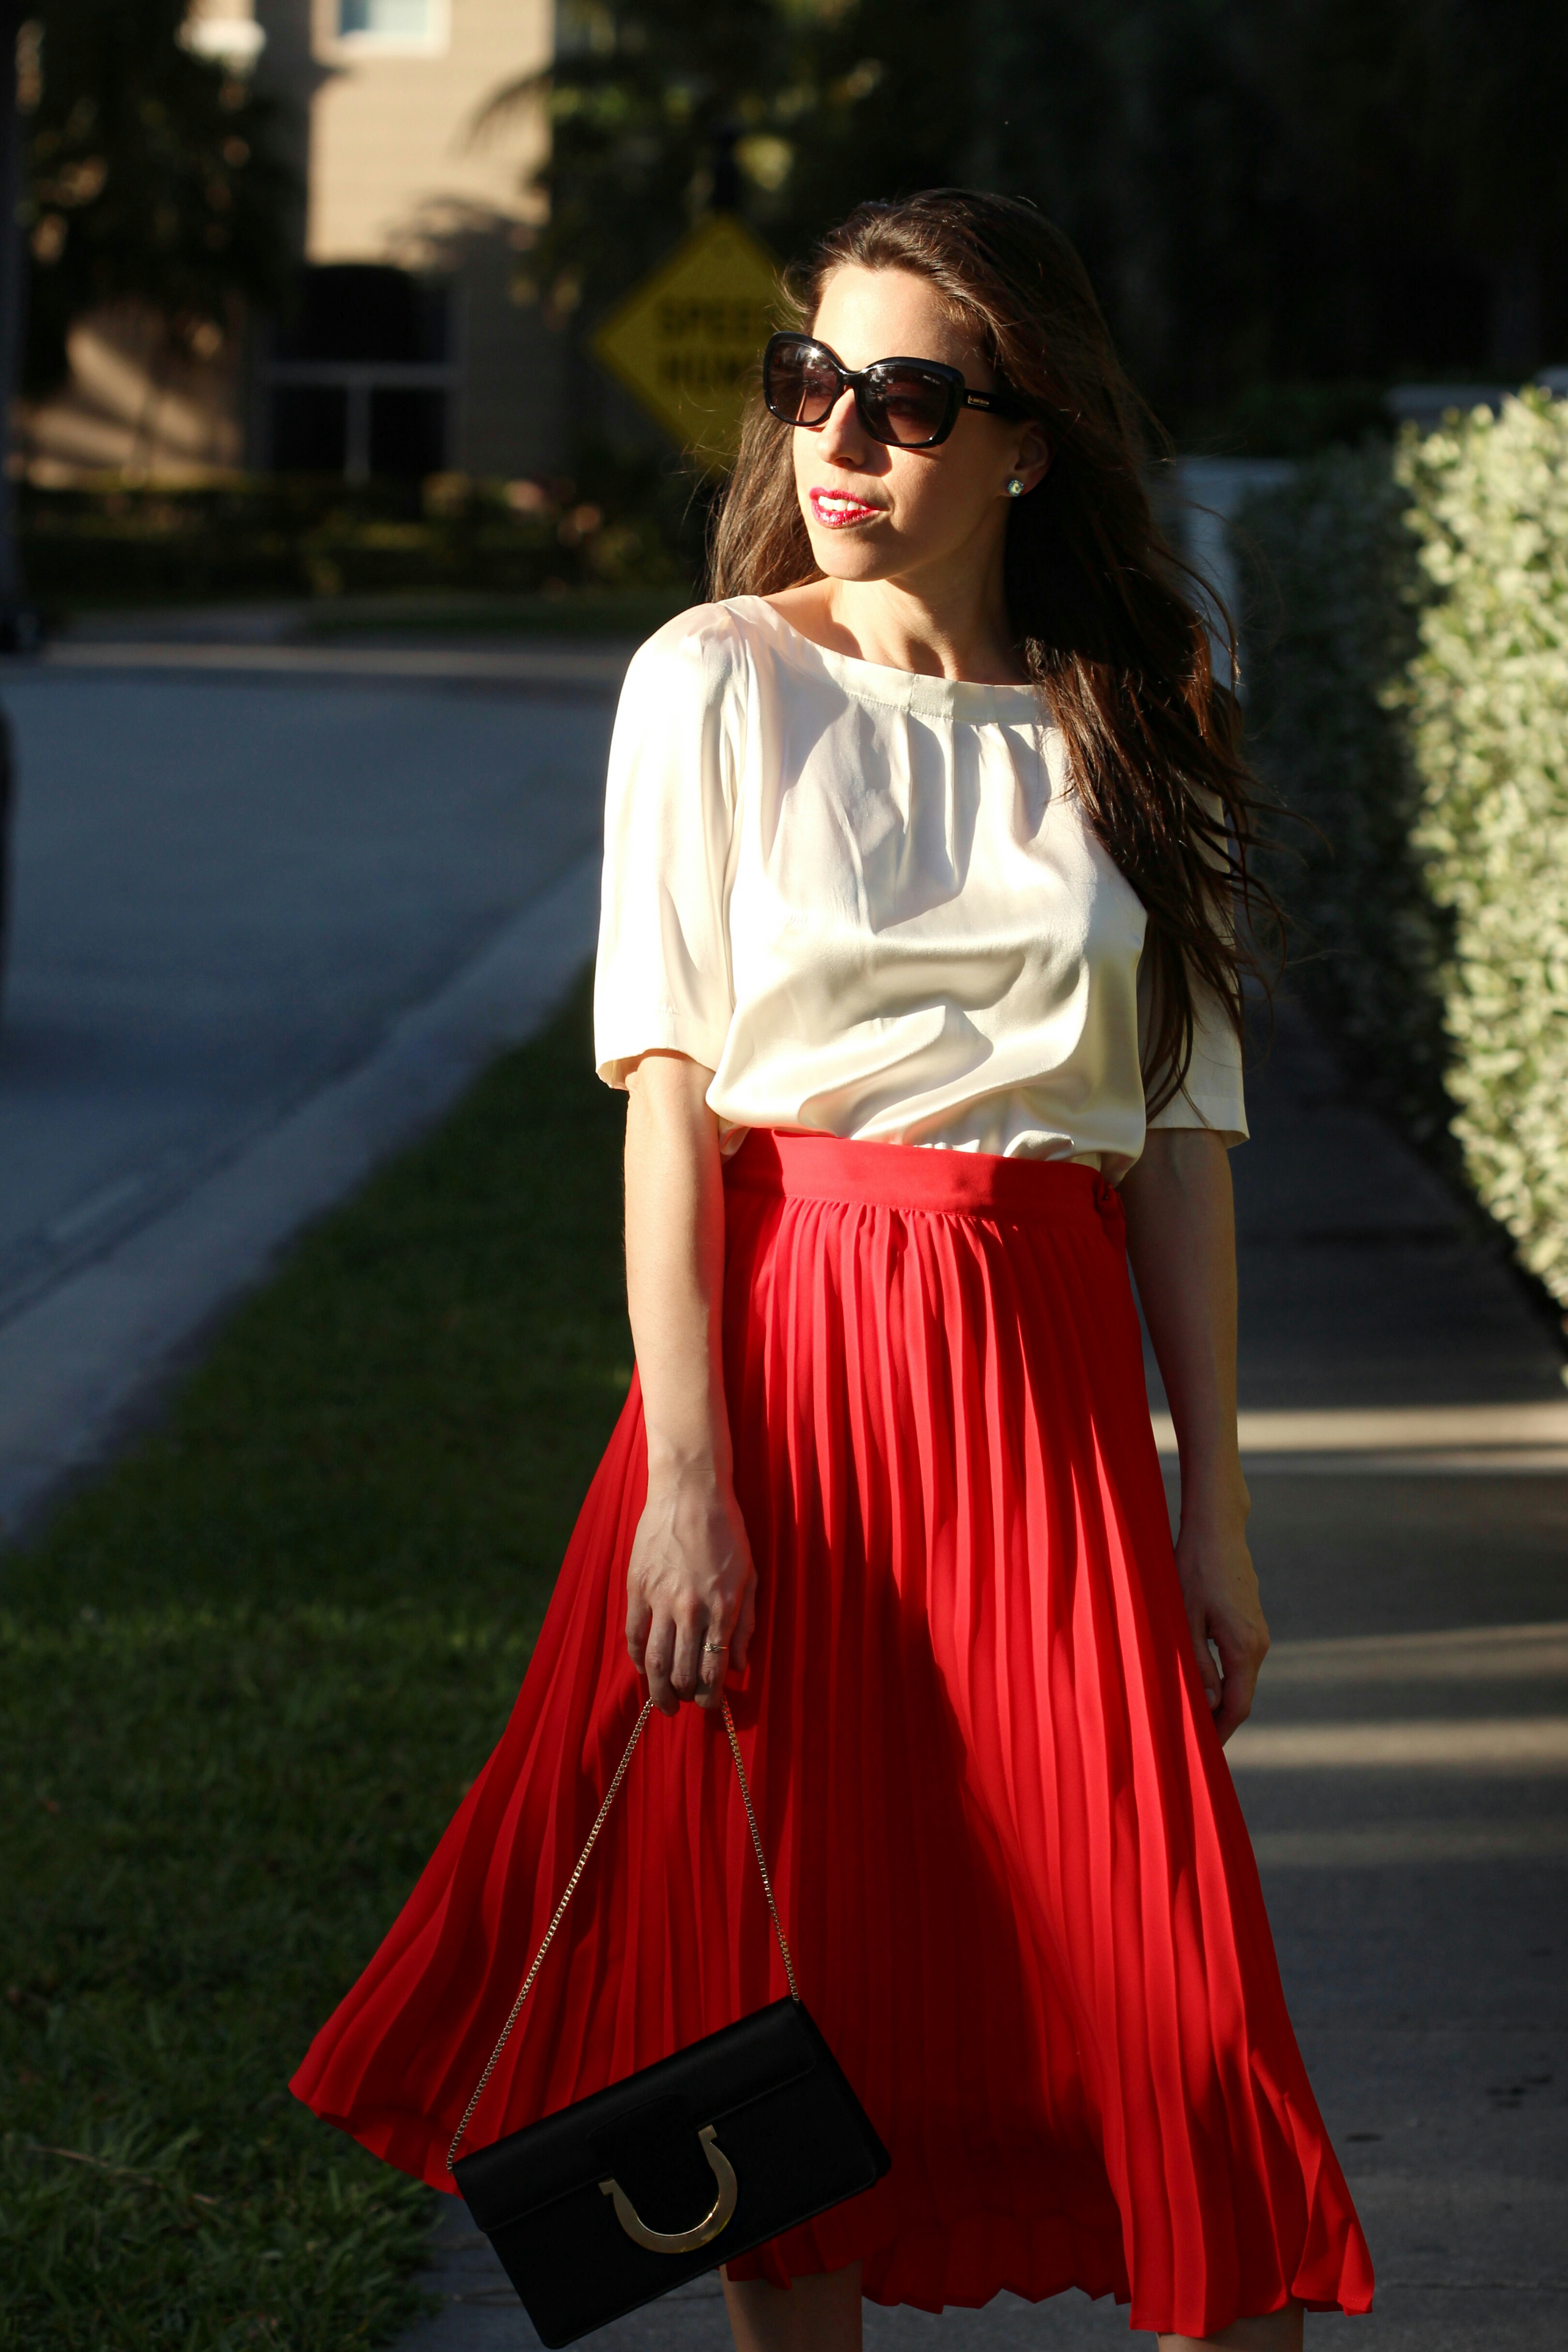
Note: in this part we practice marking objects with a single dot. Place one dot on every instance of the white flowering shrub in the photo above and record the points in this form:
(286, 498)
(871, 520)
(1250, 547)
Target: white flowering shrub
(1485, 702)
(1409, 696)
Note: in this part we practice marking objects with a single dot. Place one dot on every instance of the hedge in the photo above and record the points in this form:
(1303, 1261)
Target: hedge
(1409, 696)
(303, 536)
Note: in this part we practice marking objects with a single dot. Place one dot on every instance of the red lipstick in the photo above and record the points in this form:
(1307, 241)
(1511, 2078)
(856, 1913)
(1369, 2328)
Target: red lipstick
(841, 509)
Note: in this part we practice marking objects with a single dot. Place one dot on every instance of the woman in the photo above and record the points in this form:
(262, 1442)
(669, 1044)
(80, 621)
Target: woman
(917, 966)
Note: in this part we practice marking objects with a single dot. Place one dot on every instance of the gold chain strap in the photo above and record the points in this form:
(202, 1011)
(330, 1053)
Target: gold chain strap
(757, 1850)
(560, 1912)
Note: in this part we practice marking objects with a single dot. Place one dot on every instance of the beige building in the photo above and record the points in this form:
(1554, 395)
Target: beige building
(408, 352)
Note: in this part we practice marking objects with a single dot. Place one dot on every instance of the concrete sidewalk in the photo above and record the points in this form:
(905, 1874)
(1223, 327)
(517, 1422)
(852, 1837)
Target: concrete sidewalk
(1405, 1775)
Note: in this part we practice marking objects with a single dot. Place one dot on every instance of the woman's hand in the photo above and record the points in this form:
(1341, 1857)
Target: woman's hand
(691, 1583)
(1220, 1590)
(690, 1588)
(1181, 1237)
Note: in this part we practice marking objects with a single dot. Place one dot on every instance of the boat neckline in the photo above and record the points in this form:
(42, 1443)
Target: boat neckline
(904, 689)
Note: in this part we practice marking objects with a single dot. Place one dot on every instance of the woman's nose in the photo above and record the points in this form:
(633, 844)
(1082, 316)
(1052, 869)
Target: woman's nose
(843, 439)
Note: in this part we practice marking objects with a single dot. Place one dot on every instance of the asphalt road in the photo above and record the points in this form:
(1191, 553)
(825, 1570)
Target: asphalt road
(226, 891)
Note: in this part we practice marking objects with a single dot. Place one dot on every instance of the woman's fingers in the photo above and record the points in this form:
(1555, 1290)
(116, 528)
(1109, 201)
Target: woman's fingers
(688, 1589)
(677, 1662)
(1224, 1613)
(745, 1623)
(686, 1675)
(639, 1624)
(1208, 1670)
(726, 1639)
(714, 1662)
(689, 1656)
(1242, 1650)
(658, 1663)
(1241, 1637)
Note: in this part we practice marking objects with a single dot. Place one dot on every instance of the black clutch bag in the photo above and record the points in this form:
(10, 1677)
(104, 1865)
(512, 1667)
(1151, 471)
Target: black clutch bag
(611, 2202)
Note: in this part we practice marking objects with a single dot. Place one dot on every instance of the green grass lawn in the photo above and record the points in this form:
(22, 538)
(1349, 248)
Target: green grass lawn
(243, 1681)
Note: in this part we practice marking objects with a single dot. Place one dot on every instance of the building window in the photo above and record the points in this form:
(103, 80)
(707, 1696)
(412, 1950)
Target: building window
(409, 25)
(364, 375)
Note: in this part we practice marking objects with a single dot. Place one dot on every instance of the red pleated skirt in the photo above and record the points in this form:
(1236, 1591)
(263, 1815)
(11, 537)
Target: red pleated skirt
(1009, 1853)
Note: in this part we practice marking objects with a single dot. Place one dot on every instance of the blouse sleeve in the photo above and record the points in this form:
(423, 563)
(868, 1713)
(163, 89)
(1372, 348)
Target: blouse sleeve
(1211, 1094)
(663, 977)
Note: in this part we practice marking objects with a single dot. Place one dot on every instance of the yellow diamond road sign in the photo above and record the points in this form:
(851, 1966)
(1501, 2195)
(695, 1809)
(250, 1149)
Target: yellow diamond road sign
(686, 342)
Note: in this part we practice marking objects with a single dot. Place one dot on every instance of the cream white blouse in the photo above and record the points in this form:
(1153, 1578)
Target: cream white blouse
(870, 904)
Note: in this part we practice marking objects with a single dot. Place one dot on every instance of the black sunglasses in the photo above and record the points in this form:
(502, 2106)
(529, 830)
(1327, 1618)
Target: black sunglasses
(909, 404)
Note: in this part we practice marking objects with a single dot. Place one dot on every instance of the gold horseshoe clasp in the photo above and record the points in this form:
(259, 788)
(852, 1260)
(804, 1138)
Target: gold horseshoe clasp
(682, 2241)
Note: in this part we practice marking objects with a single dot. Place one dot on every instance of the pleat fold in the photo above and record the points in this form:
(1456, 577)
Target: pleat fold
(1006, 1843)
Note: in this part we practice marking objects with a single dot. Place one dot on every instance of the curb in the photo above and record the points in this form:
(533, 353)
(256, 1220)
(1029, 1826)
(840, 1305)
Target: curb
(551, 669)
(84, 1363)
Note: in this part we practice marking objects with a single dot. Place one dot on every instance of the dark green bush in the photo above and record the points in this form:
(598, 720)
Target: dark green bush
(1331, 593)
(290, 536)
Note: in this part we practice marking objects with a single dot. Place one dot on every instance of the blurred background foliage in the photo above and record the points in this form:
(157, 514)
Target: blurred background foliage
(155, 176)
(1284, 203)
(1287, 205)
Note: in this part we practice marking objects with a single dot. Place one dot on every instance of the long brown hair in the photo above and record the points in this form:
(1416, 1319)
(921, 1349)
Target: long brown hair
(1099, 603)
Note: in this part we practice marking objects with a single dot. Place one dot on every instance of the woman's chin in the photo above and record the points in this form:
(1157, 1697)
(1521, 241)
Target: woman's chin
(849, 555)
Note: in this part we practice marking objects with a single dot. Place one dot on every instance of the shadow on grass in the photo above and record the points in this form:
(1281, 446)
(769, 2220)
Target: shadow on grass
(245, 1680)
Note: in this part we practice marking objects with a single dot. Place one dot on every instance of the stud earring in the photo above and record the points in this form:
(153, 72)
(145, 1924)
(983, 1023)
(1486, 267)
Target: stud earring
(1014, 488)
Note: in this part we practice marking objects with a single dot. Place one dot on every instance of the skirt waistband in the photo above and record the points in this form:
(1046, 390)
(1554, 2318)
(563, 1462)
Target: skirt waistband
(806, 1167)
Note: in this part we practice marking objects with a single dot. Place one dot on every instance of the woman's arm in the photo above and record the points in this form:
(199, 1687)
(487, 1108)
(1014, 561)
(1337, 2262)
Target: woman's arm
(691, 1579)
(1181, 1239)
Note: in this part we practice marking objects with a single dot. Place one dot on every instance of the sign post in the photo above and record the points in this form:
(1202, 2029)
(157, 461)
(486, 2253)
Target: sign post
(684, 342)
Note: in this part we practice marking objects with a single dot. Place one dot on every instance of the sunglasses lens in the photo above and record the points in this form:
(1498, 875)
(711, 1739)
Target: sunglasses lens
(907, 407)
(801, 383)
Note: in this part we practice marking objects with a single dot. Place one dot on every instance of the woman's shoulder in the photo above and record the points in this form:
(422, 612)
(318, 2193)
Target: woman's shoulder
(711, 647)
(692, 691)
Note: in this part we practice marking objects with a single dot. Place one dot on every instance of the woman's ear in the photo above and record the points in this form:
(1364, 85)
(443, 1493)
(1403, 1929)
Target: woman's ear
(1032, 458)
